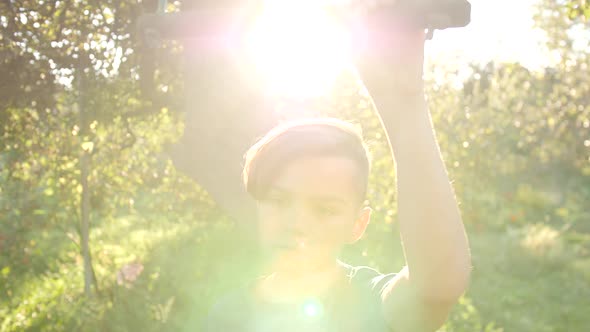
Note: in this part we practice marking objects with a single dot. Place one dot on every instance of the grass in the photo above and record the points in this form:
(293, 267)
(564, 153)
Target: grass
(526, 278)
(532, 278)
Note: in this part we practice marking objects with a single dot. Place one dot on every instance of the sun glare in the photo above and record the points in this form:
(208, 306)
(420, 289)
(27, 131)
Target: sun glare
(297, 48)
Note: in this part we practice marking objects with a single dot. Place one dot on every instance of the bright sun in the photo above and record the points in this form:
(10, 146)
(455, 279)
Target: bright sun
(297, 48)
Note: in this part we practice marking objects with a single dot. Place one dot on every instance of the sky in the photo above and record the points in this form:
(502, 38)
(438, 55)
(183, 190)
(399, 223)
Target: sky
(501, 30)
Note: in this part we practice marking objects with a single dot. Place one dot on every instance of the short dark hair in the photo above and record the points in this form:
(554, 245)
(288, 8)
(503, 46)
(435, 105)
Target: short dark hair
(303, 138)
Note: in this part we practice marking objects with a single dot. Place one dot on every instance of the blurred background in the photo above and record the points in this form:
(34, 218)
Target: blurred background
(101, 230)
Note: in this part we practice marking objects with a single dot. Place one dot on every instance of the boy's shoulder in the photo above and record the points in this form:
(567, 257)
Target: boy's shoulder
(366, 276)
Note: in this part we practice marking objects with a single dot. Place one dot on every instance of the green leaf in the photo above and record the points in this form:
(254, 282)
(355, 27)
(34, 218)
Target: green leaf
(39, 212)
(88, 146)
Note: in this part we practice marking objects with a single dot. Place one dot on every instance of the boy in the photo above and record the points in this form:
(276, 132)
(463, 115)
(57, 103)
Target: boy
(309, 179)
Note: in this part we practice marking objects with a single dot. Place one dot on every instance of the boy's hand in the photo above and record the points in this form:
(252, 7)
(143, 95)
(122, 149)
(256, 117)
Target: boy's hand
(389, 54)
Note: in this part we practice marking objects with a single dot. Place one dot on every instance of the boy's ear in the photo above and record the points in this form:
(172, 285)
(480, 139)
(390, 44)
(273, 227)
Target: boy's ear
(360, 224)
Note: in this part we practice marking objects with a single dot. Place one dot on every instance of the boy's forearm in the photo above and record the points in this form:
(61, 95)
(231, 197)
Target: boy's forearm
(432, 231)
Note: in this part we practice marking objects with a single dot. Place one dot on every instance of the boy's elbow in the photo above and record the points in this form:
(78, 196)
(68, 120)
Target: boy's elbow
(451, 285)
(458, 280)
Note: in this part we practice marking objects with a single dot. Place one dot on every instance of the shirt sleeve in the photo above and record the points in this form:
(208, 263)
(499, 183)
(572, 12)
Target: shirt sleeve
(371, 283)
(370, 277)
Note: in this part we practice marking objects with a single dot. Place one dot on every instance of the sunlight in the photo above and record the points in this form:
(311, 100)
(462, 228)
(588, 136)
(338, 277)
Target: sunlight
(542, 240)
(313, 308)
(297, 49)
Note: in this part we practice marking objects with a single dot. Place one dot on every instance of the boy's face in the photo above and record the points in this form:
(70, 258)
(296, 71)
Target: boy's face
(311, 210)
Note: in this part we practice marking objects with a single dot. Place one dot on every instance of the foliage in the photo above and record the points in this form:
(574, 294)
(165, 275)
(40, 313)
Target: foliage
(577, 8)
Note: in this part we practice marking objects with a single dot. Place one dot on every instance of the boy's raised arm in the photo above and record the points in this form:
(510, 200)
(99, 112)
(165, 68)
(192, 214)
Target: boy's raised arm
(432, 232)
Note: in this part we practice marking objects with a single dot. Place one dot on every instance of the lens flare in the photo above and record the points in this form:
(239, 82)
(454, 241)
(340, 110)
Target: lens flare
(297, 49)
(313, 308)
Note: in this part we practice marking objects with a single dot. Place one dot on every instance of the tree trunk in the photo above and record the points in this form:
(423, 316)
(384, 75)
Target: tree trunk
(85, 195)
